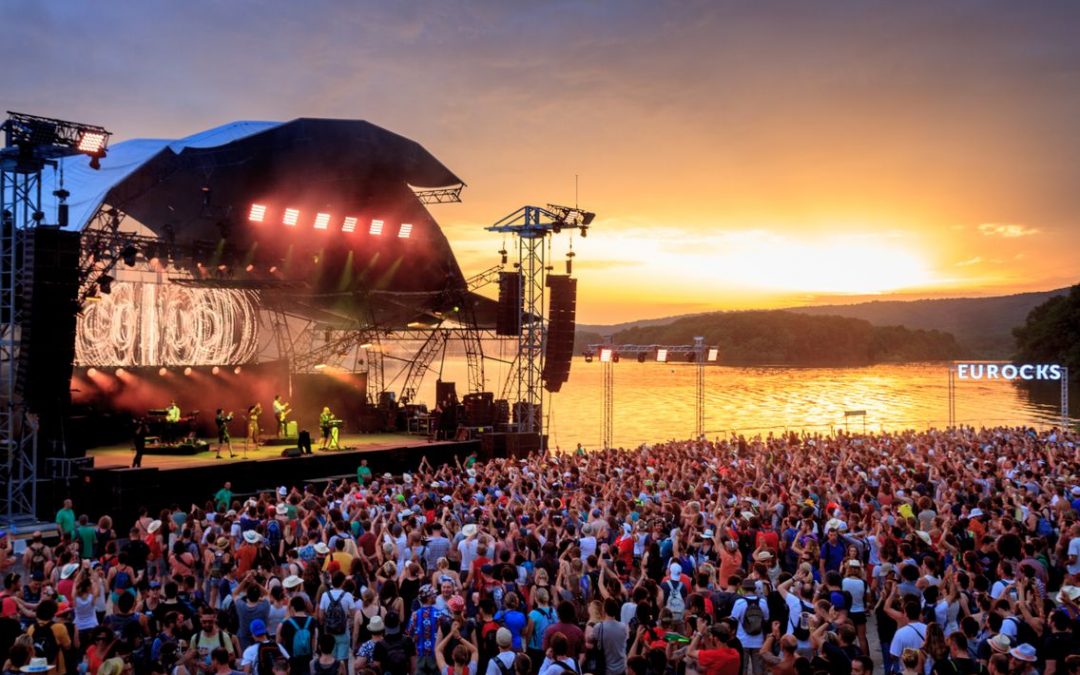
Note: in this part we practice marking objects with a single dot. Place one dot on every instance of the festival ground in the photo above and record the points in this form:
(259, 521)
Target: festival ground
(120, 456)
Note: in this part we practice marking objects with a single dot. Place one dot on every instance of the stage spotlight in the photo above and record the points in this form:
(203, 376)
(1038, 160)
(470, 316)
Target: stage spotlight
(128, 254)
(236, 370)
(584, 232)
(661, 355)
(120, 372)
(163, 372)
(290, 217)
(215, 370)
(92, 372)
(405, 231)
(187, 371)
(587, 218)
(92, 142)
(502, 254)
(249, 268)
(605, 355)
(320, 366)
(376, 227)
(713, 355)
(105, 283)
(273, 269)
(322, 221)
(349, 225)
(257, 213)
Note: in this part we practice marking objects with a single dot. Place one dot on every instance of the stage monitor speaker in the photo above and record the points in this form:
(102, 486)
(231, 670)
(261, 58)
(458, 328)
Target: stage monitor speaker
(521, 414)
(445, 393)
(291, 452)
(562, 313)
(502, 411)
(479, 409)
(290, 429)
(508, 314)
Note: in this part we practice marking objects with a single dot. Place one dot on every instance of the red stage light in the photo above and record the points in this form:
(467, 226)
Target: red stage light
(376, 227)
(92, 372)
(249, 268)
(322, 221)
(120, 372)
(236, 370)
(187, 371)
(257, 213)
(273, 269)
(290, 217)
(215, 370)
(349, 225)
(163, 372)
(405, 231)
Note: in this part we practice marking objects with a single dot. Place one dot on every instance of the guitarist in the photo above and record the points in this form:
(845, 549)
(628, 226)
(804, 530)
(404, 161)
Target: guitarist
(281, 412)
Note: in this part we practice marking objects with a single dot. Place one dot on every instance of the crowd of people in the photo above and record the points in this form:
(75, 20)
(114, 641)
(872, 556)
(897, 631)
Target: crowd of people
(925, 553)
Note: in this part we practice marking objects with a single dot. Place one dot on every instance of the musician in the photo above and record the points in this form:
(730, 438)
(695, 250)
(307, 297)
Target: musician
(222, 420)
(326, 424)
(281, 412)
(253, 413)
(172, 413)
(139, 441)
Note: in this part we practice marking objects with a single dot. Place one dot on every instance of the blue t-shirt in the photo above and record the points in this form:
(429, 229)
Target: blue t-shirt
(515, 622)
(833, 555)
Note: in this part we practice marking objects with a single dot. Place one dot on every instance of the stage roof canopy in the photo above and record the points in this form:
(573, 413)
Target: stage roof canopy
(339, 221)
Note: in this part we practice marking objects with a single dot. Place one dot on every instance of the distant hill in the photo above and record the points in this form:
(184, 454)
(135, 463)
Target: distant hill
(982, 326)
(787, 338)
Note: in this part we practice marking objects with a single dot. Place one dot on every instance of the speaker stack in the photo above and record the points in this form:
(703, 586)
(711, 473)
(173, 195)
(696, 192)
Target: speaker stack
(562, 312)
(508, 314)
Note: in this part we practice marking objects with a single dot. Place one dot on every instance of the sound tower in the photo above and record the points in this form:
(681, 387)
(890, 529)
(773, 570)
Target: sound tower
(50, 305)
(508, 315)
(560, 338)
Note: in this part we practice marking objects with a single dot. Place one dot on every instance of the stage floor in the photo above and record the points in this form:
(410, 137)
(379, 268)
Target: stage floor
(120, 456)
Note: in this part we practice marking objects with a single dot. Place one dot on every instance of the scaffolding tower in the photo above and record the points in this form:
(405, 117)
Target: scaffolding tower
(531, 225)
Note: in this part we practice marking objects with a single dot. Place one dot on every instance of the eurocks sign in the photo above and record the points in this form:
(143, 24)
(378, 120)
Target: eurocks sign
(1007, 371)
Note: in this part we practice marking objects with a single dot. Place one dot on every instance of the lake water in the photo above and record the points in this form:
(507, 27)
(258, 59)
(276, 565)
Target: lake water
(654, 401)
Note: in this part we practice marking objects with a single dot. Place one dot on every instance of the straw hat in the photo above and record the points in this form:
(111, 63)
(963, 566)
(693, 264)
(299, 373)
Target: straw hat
(1024, 652)
(469, 530)
(321, 548)
(292, 581)
(375, 624)
(1000, 643)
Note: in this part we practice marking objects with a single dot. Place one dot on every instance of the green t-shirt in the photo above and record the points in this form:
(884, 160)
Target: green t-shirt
(223, 496)
(469, 461)
(65, 518)
(363, 474)
(86, 535)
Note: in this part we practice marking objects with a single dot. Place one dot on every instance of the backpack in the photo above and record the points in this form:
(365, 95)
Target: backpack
(397, 657)
(675, 601)
(197, 638)
(753, 619)
(228, 618)
(801, 633)
(267, 653)
(502, 666)
(38, 559)
(301, 641)
(1025, 633)
(45, 642)
(217, 565)
(122, 581)
(335, 621)
(1043, 528)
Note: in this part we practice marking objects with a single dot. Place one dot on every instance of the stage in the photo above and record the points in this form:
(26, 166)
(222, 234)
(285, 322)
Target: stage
(112, 487)
(120, 456)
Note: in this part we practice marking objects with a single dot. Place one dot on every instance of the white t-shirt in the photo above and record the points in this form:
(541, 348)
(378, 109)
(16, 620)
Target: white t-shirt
(250, 657)
(467, 549)
(857, 588)
(507, 659)
(739, 609)
(588, 546)
(348, 603)
(795, 611)
(549, 667)
(911, 636)
(1074, 550)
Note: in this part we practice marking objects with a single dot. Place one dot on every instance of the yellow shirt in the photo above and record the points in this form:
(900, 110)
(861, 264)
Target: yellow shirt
(343, 559)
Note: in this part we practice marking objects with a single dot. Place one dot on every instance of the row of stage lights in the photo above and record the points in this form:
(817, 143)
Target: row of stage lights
(216, 370)
(291, 217)
(608, 354)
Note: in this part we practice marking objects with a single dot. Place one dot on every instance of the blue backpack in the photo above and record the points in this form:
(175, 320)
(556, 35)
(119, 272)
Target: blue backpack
(301, 642)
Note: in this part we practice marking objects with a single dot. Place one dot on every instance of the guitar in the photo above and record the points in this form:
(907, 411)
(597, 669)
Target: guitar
(284, 413)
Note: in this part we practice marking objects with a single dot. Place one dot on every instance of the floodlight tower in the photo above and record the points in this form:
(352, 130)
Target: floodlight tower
(531, 226)
(31, 144)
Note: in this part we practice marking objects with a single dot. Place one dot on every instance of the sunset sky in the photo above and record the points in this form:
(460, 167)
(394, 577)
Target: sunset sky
(739, 154)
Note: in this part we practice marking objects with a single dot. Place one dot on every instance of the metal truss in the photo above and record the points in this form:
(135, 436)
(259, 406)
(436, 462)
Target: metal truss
(20, 208)
(488, 276)
(420, 364)
(440, 195)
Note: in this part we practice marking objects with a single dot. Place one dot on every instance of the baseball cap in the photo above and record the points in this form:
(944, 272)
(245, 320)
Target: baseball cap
(503, 637)
(258, 627)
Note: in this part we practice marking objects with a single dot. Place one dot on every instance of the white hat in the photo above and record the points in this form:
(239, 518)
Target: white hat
(387, 476)
(854, 563)
(67, 570)
(252, 537)
(407, 477)
(924, 535)
(764, 555)
(447, 498)
(469, 530)
(37, 665)
(975, 512)
(281, 509)
(1070, 593)
(675, 569)
(292, 581)
(154, 526)
(707, 534)
(375, 624)
(282, 491)
(434, 485)
(835, 524)
(321, 548)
